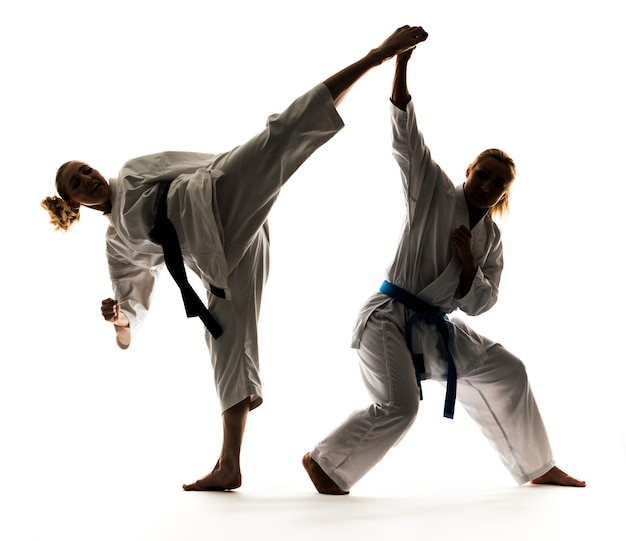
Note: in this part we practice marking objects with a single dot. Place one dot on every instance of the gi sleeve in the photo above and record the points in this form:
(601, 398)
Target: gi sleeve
(421, 176)
(132, 279)
(483, 293)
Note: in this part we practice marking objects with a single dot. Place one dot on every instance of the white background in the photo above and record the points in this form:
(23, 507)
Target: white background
(104, 82)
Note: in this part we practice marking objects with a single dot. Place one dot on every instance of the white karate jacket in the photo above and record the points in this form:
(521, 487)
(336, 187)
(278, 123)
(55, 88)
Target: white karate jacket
(134, 260)
(426, 264)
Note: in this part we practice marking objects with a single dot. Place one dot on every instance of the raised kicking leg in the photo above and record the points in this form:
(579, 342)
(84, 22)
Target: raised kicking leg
(227, 472)
(227, 475)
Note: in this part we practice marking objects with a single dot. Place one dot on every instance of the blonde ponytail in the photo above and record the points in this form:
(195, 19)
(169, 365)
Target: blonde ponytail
(62, 215)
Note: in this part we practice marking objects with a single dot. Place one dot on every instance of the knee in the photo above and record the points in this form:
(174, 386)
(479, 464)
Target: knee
(517, 370)
(506, 367)
(515, 380)
(402, 413)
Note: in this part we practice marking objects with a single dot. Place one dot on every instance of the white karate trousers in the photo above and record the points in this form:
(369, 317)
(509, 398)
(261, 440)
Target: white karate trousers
(253, 175)
(496, 395)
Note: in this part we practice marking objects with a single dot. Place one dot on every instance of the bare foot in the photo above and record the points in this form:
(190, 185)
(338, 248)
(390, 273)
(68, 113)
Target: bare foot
(555, 476)
(323, 483)
(217, 480)
(402, 39)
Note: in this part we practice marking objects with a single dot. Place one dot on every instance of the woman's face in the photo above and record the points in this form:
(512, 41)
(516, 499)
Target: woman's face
(487, 182)
(84, 185)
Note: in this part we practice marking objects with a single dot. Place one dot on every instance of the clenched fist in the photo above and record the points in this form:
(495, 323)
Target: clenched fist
(111, 312)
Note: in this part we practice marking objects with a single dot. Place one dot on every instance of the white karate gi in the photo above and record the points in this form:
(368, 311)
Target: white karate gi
(492, 383)
(218, 205)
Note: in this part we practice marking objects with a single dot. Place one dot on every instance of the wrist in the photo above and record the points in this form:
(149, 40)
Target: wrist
(122, 337)
(122, 321)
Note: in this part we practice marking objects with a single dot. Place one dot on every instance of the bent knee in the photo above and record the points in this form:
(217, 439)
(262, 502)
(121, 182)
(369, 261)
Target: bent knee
(517, 369)
(508, 364)
(404, 412)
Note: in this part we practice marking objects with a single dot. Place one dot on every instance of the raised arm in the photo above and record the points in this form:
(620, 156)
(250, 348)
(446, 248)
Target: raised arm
(420, 174)
(400, 96)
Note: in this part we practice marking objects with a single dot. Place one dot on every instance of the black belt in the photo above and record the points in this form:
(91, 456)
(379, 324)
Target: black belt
(164, 234)
(434, 316)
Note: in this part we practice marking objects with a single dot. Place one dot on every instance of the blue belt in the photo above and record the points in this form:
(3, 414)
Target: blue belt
(439, 319)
